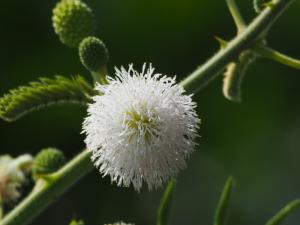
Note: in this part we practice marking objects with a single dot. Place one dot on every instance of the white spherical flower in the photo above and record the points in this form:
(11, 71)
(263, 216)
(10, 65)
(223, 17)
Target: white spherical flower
(142, 127)
(12, 176)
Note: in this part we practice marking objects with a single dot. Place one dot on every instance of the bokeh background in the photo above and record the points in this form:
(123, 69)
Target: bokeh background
(257, 141)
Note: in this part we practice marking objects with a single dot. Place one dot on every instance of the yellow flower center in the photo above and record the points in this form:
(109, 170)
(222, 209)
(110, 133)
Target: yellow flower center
(143, 123)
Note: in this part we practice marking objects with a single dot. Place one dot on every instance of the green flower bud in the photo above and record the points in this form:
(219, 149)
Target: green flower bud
(93, 54)
(259, 5)
(47, 161)
(73, 20)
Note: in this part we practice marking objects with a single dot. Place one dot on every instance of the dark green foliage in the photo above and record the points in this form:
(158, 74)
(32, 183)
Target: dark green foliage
(73, 20)
(44, 92)
(93, 54)
(47, 161)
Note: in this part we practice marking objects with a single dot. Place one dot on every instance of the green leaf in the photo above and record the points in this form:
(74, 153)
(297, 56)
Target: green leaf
(165, 204)
(223, 204)
(284, 212)
(42, 93)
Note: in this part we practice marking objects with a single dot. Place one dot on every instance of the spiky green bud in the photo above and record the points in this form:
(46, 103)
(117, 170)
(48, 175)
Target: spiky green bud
(93, 54)
(47, 161)
(73, 20)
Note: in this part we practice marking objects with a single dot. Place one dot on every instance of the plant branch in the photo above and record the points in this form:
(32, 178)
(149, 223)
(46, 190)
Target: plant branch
(253, 33)
(236, 15)
(277, 56)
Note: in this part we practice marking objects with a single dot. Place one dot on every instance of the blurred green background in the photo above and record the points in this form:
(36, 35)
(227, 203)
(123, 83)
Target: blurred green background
(257, 141)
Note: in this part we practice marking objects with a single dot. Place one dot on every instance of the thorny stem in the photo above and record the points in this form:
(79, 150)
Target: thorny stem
(252, 34)
(47, 190)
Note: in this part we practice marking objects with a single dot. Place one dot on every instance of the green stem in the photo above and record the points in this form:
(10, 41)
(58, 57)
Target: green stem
(284, 213)
(253, 33)
(236, 15)
(165, 204)
(48, 190)
(100, 76)
(277, 56)
(223, 204)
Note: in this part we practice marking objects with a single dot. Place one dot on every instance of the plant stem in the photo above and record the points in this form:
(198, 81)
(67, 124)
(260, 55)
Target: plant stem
(165, 204)
(47, 190)
(277, 56)
(223, 204)
(253, 33)
(236, 15)
(284, 213)
(100, 76)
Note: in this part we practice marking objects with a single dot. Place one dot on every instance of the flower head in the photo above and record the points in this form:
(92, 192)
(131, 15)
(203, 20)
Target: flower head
(12, 176)
(93, 53)
(142, 128)
(73, 20)
(47, 161)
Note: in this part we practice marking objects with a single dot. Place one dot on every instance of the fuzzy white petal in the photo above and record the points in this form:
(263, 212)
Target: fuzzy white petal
(142, 128)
